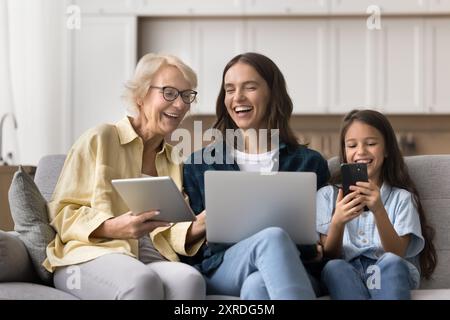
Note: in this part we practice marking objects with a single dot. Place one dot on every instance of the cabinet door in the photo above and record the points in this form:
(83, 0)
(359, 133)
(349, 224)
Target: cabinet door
(351, 65)
(216, 42)
(437, 66)
(104, 58)
(299, 47)
(400, 65)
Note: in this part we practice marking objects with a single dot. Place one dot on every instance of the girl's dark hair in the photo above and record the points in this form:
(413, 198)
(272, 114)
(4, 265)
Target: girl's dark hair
(279, 109)
(395, 173)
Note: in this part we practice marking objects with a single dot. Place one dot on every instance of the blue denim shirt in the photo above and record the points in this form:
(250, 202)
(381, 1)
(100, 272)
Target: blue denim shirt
(298, 158)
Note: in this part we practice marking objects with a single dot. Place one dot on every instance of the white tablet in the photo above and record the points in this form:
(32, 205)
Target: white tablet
(154, 193)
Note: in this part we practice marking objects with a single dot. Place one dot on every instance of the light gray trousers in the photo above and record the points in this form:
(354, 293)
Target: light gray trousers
(118, 276)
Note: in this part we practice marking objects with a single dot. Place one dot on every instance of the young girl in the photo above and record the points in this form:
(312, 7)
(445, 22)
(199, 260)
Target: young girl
(380, 253)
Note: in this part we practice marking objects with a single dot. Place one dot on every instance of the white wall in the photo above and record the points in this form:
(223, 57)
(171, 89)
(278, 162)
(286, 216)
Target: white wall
(36, 60)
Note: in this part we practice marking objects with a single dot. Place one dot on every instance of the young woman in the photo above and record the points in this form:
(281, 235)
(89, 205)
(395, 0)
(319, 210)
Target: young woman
(253, 97)
(376, 254)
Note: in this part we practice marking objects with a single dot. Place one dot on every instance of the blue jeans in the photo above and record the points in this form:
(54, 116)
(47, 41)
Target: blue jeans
(362, 278)
(261, 267)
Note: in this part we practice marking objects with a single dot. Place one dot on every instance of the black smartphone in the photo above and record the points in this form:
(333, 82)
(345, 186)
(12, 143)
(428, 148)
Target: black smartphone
(351, 173)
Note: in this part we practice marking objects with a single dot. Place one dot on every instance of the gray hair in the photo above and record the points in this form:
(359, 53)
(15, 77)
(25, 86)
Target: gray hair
(136, 88)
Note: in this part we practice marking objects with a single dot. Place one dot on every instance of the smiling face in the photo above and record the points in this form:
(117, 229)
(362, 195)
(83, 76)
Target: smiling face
(365, 144)
(158, 116)
(246, 96)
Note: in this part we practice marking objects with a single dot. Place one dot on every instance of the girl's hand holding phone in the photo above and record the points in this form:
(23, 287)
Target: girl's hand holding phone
(347, 208)
(369, 192)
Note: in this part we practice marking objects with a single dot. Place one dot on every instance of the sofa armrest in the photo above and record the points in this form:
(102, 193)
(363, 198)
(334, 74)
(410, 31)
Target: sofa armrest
(15, 264)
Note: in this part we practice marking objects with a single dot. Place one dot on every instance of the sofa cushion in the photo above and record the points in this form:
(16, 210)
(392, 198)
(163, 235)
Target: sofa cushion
(15, 264)
(29, 212)
(32, 291)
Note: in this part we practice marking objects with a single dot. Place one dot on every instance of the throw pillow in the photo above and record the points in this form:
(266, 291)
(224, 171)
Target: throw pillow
(29, 212)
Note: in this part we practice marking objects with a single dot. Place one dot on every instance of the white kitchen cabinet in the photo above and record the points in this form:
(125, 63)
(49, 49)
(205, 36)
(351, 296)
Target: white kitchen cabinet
(331, 65)
(331, 60)
(381, 69)
(103, 58)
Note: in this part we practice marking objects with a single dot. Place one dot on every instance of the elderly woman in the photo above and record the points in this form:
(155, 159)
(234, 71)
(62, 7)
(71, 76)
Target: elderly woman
(106, 247)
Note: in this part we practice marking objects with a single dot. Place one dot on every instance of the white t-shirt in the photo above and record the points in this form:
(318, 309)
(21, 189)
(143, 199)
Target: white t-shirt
(256, 162)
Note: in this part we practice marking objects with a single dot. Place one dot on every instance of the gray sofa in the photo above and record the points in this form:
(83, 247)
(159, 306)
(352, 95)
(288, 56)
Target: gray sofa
(430, 173)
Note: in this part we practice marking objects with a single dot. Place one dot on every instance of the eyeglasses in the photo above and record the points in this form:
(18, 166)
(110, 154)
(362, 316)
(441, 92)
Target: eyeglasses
(171, 93)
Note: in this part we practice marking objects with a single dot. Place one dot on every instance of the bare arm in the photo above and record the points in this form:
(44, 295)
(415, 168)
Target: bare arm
(347, 208)
(390, 240)
(197, 229)
(332, 243)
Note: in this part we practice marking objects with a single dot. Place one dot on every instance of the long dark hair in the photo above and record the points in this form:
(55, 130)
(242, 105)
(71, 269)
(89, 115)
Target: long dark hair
(279, 109)
(395, 173)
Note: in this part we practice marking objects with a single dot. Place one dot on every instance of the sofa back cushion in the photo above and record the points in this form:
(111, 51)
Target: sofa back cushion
(431, 174)
(47, 174)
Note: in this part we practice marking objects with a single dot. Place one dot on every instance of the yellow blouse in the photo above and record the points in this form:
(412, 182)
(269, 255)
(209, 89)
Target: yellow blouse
(84, 197)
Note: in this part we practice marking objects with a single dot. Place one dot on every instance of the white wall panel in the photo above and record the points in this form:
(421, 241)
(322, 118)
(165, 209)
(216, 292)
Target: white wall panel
(104, 57)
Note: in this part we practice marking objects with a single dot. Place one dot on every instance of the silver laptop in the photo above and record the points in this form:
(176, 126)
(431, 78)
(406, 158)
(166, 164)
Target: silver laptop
(239, 204)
